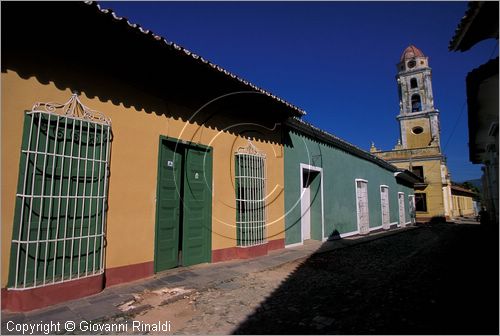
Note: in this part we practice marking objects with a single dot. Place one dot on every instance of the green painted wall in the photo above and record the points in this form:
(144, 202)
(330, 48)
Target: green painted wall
(340, 169)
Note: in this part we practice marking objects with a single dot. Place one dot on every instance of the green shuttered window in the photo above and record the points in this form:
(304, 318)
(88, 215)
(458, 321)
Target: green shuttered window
(58, 232)
(250, 197)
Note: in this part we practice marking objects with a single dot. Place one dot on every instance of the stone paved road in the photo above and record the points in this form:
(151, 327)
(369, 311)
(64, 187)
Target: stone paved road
(437, 279)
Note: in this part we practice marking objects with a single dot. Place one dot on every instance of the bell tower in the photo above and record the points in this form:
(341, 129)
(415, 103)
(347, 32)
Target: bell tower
(418, 148)
(418, 118)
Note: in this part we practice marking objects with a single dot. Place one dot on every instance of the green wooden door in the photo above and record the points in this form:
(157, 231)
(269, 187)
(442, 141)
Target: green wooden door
(168, 207)
(197, 205)
(184, 206)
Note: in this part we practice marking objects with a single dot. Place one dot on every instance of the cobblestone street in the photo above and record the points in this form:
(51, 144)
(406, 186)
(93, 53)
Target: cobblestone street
(432, 279)
(437, 279)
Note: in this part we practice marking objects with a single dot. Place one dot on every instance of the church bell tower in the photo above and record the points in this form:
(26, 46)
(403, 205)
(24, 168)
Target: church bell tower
(418, 148)
(418, 118)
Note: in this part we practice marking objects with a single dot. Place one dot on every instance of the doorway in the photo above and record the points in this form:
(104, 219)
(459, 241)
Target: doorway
(183, 205)
(311, 203)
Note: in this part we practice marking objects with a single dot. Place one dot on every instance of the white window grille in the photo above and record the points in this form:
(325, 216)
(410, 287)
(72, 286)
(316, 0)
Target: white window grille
(250, 196)
(412, 209)
(384, 202)
(401, 203)
(61, 202)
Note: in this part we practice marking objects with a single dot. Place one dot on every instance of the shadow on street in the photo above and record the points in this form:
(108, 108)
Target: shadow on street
(441, 278)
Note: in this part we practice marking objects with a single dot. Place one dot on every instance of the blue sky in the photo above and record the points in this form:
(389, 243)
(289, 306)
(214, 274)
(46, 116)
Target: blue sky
(335, 60)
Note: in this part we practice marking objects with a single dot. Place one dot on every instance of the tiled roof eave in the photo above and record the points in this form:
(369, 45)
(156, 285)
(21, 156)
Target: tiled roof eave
(314, 131)
(194, 56)
(463, 190)
(464, 25)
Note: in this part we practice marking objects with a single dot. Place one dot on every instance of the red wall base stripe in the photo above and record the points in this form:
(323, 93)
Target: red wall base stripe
(276, 244)
(247, 252)
(118, 275)
(34, 298)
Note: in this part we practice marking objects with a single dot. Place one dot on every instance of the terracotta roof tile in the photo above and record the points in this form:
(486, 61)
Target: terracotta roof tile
(197, 58)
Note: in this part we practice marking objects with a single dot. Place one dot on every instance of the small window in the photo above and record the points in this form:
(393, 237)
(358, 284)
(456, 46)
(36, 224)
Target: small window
(420, 202)
(413, 83)
(416, 104)
(418, 170)
(417, 130)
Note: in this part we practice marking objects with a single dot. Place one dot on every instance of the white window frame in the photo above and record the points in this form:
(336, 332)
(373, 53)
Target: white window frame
(401, 223)
(357, 205)
(411, 203)
(387, 225)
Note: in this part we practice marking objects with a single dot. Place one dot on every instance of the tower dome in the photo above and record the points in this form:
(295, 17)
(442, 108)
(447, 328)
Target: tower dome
(410, 52)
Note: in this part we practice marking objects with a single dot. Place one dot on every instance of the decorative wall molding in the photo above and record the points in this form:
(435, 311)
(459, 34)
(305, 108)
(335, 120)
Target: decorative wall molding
(73, 108)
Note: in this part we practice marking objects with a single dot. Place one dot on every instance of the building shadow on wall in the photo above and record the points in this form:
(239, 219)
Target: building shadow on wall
(92, 53)
(422, 281)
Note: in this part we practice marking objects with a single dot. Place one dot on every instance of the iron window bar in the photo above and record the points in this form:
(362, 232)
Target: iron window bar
(250, 196)
(60, 212)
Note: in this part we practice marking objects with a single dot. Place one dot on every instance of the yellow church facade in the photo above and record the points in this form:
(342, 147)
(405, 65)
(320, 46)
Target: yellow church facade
(418, 148)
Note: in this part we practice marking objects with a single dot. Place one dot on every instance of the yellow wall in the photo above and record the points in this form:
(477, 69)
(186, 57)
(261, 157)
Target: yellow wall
(405, 154)
(417, 140)
(463, 206)
(434, 192)
(133, 165)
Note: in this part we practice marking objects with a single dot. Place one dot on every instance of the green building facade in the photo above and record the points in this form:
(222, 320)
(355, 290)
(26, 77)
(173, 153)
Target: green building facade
(334, 189)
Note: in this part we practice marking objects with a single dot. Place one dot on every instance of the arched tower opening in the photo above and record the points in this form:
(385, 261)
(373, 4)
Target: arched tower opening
(416, 103)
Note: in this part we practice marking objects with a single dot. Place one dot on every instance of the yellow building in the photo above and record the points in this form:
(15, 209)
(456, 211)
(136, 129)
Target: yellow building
(463, 202)
(419, 148)
(183, 163)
